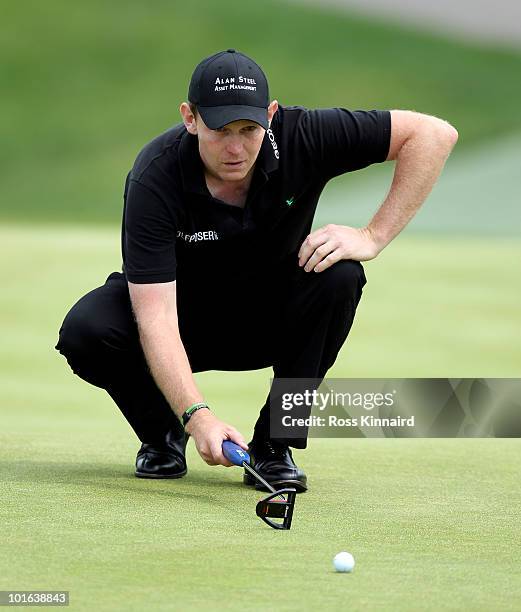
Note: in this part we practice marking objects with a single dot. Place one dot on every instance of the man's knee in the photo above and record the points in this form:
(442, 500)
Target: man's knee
(91, 342)
(99, 323)
(79, 334)
(343, 280)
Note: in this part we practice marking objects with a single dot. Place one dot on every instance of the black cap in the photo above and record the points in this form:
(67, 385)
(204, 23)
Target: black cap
(229, 86)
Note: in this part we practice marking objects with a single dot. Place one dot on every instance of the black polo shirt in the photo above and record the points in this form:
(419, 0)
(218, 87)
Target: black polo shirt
(174, 229)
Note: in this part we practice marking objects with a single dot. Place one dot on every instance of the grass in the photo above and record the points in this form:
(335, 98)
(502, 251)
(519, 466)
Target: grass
(460, 203)
(433, 524)
(86, 86)
(433, 306)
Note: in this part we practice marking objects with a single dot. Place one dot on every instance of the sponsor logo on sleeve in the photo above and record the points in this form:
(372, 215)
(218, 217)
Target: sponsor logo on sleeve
(198, 236)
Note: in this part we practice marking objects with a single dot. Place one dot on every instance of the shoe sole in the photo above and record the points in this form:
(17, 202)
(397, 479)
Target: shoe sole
(160, 476)
(299, 486)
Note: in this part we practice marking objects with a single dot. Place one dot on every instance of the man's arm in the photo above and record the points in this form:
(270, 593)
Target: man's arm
(420, 144)
(155, 309)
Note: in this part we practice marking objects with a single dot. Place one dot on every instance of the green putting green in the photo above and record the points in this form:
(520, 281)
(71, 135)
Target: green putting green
(433, 524)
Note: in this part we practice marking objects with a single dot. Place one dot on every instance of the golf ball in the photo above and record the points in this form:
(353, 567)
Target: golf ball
(344, 562)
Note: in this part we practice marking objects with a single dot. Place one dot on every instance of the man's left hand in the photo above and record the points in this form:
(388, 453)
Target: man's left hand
(329, 244)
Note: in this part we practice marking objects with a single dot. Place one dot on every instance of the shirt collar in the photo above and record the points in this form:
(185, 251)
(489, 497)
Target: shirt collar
(192, 169)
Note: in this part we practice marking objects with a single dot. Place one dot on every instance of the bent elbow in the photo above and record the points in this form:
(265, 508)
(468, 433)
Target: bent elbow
(449, 134)
(453, 135)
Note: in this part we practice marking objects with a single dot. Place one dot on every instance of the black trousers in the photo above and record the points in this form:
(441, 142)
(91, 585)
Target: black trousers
(292, 320)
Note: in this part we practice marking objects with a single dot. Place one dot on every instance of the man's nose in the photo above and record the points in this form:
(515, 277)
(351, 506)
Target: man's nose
(234, 146)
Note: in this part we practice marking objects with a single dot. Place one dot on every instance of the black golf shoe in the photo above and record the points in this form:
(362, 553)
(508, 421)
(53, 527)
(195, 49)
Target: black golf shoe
(165, 459)
(274, 462)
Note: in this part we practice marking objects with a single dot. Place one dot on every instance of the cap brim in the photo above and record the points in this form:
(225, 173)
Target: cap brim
(216, 117)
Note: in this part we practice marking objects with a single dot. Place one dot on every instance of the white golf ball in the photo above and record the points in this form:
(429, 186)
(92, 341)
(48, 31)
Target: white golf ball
(344, 562)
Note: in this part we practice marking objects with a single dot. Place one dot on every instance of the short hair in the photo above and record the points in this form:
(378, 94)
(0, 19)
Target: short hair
(193, 109)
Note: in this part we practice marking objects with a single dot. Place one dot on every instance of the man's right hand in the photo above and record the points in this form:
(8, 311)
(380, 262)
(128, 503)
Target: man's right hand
(209, 434)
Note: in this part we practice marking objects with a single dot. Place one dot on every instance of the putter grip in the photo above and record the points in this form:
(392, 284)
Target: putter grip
(234, 453)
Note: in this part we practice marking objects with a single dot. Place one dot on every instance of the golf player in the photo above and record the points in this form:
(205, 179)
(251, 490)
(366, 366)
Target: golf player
(221, 270)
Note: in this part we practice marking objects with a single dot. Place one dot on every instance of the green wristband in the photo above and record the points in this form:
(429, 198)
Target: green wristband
(187, 414)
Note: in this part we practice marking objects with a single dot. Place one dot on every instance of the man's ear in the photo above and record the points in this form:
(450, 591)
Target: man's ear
(188, 118)
(272, 109)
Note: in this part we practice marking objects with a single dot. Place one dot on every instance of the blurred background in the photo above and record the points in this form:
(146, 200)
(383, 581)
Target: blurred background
(86, 85)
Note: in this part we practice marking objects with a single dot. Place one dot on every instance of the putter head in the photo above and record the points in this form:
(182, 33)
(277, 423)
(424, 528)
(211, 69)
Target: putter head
(277, 508)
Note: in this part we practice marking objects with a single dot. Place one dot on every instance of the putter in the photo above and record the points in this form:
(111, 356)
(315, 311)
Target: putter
(269, 507)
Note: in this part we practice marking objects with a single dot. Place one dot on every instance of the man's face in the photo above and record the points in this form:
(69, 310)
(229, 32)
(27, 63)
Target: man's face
(229, 153)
